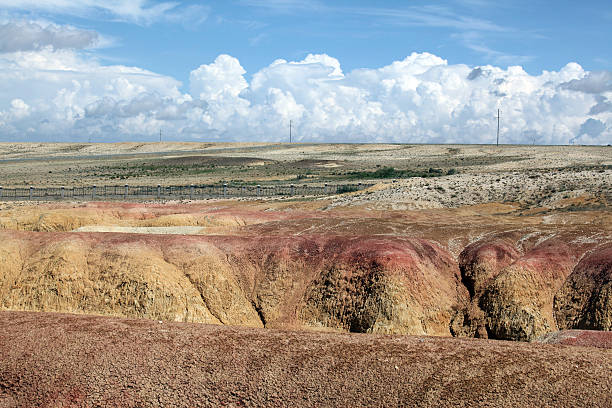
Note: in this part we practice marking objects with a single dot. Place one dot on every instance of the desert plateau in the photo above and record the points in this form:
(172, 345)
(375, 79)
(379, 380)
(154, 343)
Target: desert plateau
(456, 275)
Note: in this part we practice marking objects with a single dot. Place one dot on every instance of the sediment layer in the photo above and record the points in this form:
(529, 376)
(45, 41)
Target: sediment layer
(483, 271)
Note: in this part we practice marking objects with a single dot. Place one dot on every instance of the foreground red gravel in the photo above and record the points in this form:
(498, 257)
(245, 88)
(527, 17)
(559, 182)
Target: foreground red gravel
(60, 360)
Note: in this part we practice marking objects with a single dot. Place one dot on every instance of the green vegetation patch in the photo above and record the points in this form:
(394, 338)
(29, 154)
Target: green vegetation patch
(392, 173)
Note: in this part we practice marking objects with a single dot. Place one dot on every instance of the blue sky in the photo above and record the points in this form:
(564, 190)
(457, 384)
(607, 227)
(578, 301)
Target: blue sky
(538, 35)
(167, 41)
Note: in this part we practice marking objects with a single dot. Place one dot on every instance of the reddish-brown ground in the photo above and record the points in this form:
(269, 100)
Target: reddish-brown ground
(59, 360)
(584, 338)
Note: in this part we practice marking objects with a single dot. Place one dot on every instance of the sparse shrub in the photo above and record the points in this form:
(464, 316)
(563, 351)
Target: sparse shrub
(390, 172)
(346, 189)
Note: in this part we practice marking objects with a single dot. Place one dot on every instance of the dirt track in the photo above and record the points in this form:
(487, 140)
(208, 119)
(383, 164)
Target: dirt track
(54, 360)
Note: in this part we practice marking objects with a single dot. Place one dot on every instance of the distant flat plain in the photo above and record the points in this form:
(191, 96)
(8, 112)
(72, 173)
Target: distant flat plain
(78, 164)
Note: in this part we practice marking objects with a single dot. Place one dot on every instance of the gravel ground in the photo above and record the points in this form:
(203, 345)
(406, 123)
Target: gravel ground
(59, 360)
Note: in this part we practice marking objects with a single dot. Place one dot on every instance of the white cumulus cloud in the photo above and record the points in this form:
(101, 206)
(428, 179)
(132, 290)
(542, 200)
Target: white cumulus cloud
(59, 94)
(222, 78)
(58, 89)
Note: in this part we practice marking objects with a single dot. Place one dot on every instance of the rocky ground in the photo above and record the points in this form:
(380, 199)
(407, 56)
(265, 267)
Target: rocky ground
(562, 189)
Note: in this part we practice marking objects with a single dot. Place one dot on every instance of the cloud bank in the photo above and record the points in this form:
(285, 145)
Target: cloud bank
(51, 91)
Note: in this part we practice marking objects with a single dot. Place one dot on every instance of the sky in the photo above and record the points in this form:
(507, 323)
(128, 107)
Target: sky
(340, 71)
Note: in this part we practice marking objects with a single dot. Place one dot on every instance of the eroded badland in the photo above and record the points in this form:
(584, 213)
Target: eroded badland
(505, 243)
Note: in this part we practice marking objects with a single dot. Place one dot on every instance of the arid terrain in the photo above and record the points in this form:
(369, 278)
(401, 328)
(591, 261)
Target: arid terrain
(366, 289)
(58, 360)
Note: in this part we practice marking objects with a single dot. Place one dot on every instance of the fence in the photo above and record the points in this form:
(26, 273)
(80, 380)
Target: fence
(127, 192)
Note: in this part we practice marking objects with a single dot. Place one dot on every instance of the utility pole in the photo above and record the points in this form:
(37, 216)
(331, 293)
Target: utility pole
(290, 123)
(159, 135)
(498, 117)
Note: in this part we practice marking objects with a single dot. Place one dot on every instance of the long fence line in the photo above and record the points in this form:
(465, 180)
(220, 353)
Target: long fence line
(159, 192)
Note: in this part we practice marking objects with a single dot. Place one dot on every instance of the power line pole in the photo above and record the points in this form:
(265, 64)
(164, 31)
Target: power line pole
(159, 135)
(498, 117)
(290, 123)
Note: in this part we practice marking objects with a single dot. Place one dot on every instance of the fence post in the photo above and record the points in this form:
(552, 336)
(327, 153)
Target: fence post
(93, 192)
(292, 189)
(159, 191)
(126, 192)
(258, 190)
(225, 190)
(325, 189)
(191, 192)
(0, 191)
(31, 189)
